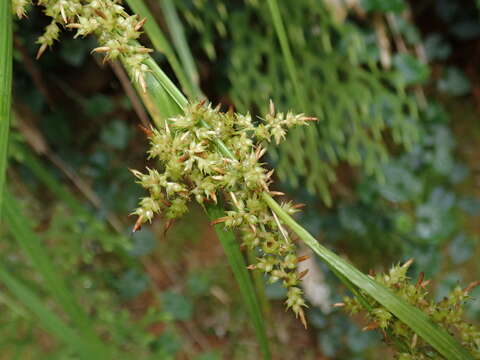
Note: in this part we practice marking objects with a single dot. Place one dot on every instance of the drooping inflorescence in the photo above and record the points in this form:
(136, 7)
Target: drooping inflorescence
(448, 313)
(192, 166)
(116, 31)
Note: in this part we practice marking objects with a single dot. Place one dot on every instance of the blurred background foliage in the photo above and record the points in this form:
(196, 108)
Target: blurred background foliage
(391, 172)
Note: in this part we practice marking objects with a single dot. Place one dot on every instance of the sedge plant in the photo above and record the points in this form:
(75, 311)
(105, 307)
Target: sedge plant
(214, 158)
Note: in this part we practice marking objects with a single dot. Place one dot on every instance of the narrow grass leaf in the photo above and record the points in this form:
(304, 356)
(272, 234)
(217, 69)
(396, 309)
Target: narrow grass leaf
(47, 319)
(287, 52)
(239, 268)
(410, 315)
(161, 44)
(30, 243)
(5, 87)
(181, 45)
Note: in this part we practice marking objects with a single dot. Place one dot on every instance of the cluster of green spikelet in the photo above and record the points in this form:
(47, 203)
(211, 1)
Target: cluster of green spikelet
(193, 167)
(116, 31)
(448, 313)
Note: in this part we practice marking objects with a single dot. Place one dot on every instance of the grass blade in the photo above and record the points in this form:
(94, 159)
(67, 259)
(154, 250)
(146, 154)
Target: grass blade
(287, 52)
(161, 44)
(413, 317)
(47, 319)
(239, 268)
(181, 44)
(5, 87)
(32, 246)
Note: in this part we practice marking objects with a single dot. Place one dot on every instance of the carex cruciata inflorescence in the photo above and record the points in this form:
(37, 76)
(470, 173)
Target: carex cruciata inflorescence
(447, 313)
(116, 31)
(208, 156)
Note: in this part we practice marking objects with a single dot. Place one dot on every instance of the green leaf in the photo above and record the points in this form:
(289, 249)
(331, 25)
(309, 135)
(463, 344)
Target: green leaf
(5, 87)
(454, 82)
(22, 231)
(162, 45)
(412, 71)
(177, 305)
(383, 5)
(239, 268)
(418, 321)
(287, 53)
(181, 45)
(48, 320)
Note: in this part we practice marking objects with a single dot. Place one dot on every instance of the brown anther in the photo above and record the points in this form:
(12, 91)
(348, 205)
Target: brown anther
(201, 103)
(101, 49)
(217, 108)
(298, 206)
(73, 26)
(213, 196)
(276, 193)
(471, 286)
(100, 13)
(138, 224)
(339, 305)
(220, 220)
(41, 51)
(168, 225)
(421, 276)
(371, 326)
(144, 50)
(140, 24)
(302, 258)
(270, 173)
(372, 273)
(251, 267)
(309, 118)
(303, 274)
(147, 131)
(219, 170)
(183, 157)
(230, 110)
(253, 228)
(424, 284)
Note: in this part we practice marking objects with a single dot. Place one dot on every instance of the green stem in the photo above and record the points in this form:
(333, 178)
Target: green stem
(162, 45)
(287, 53)
(411, 316)
(239, 268)
(181, 45)
(5, 87)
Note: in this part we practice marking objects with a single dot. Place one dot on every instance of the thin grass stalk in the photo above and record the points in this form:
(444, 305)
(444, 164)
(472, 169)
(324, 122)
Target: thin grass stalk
(5, 88)
(161, 44)
(181, 45)
(287, 53)
(48, 320)
(239, 268)
(30, 243)
(411, 316)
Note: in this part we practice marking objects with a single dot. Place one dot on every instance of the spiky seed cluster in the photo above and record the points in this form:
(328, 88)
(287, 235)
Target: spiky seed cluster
(116, 31)
(193, 167)
(447, 313)
(19, 7)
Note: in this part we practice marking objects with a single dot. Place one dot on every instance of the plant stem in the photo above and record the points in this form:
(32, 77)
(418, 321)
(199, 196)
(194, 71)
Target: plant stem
(5, 87)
